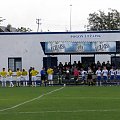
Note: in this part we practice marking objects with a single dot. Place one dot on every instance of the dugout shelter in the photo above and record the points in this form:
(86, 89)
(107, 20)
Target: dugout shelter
(22, 50)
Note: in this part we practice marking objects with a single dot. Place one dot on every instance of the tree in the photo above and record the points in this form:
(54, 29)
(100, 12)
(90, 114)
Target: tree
(101, 21)
(1, 20)
(23, 29)
(8, 28)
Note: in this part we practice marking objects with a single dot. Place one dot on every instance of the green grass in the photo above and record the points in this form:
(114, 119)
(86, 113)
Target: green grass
(69, 103)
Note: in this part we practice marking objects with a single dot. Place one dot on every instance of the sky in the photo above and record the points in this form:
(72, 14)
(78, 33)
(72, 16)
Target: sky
(54, 15)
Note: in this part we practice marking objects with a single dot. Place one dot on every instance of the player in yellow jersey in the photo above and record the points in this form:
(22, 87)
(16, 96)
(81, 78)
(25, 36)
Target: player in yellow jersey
(33, 74)
(24, 77)
(3, 77)
(50, 76)
(10, 78)
(18, 74)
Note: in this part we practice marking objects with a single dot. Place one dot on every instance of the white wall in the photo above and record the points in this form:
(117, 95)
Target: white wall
(66, 58)
(28, 47)
(103, 58)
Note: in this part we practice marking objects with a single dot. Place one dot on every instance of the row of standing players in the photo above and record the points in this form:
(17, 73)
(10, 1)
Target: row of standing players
(101, 74)
(23, 76)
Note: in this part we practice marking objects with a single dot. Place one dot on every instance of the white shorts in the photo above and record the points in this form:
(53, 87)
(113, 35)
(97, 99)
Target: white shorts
(19, 78)
(50, 77)
(24, 78)
(3, 79)
(10, 78)
(34, 78)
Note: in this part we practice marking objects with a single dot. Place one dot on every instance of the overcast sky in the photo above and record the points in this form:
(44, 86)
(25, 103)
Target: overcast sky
(54, 14)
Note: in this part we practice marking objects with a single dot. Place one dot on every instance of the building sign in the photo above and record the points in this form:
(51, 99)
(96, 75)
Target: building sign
(86, 36)
(79, 47)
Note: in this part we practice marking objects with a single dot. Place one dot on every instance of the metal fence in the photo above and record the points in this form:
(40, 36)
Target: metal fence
(60, 80)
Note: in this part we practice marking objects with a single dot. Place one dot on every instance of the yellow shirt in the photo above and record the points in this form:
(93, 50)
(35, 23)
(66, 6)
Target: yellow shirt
(18, 73)
(50, 71)
(10, 73)
(34, 72)
(24, 73)
(3, 73)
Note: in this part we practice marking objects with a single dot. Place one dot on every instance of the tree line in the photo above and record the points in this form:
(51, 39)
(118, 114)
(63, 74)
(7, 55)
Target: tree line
(97, 21)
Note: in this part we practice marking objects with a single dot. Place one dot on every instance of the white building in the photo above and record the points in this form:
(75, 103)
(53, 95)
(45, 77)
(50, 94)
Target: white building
(24, 49)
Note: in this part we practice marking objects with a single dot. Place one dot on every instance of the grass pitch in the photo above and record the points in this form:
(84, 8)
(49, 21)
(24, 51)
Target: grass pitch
(60, 103)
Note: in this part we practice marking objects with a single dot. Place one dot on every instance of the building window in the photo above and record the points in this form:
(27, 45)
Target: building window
(14, 63)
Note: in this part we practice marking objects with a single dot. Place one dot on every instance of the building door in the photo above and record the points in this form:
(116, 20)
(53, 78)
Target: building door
(115, 61)
(87, 61)
(49, 62)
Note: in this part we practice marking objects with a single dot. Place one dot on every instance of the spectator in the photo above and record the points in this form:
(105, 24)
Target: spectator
(55, 69)
(76, 75)
(69, 65)
(60, 65)
(65, 65)
(98, 64)
(75, 64)
(108, 65)
(103, 64)
(79, 65)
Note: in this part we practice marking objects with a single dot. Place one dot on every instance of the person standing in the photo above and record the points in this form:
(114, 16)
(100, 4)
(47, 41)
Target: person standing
(105, 75)
(118, 76)
(18, 74)
(76, 75)
(10, 78)
(108, 66)
(67, 76)
(33, 74)
(83, 76)
(99, 74)
(24, 76)
(50, 76)
(30, 77)
(112, 74)
(3, 77)
(89, 76)
(43, 76)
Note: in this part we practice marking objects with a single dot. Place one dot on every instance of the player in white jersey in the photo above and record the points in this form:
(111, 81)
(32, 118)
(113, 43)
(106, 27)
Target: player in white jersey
(112, 74)
(105, 75)
(83, 74)
(98, 74)
(118, 76)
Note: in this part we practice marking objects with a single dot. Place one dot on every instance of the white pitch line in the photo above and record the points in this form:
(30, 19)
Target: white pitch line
(72, 111)
(68, 97)
(60, 111)
(30, 100)
(3, 99)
